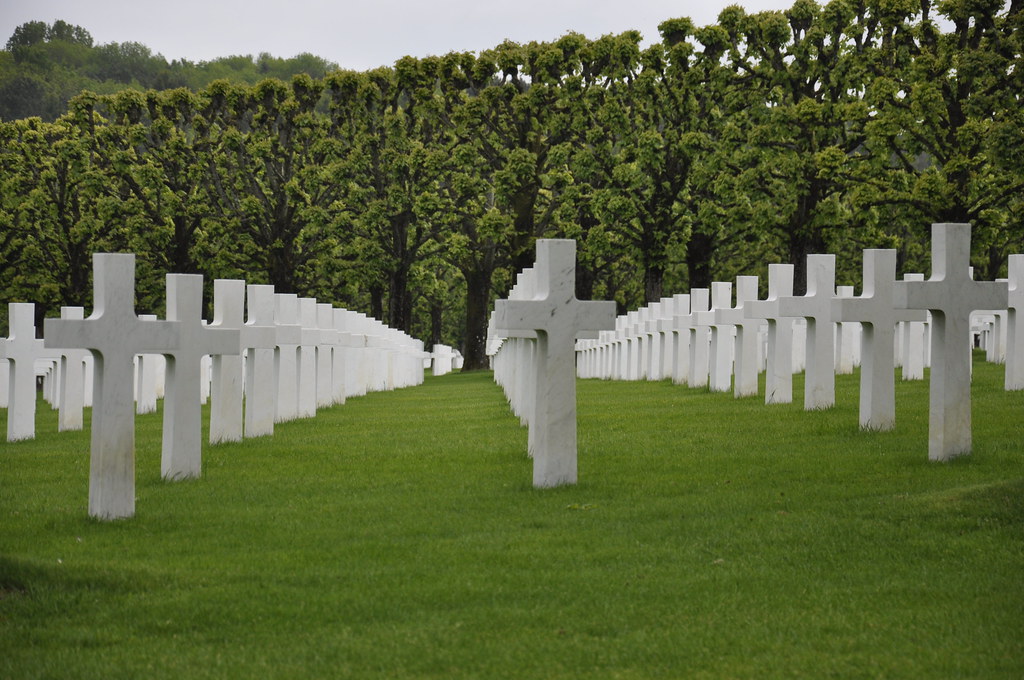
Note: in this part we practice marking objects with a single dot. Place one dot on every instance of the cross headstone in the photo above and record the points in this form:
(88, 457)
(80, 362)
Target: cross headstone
(950, 295)
(259, 340)
(1015, 325)
(914, 341)
(325, 349)
(340, 363)
(720, 357)
(227, 383)
(816, 307)
(875, 310)
(21, 349)
(665, 328)
(309, 339)
(115, 335)
(181, 456)
(146, 378)
(557, 317)
(289, 336)
(5, 375)
(72, 379)
(681, 343)
(746, 364)
(778, 381)
(845, 337)
(700, 337)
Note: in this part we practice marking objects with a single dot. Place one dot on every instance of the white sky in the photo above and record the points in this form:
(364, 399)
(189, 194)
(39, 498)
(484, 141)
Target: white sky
(354, 34)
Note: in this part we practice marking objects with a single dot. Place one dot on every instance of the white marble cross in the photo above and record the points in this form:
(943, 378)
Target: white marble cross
(816, 307)
(950, 295)
(21, 349)
(258, 341)
(1015, 325)
(181, 456)
(72, 379)
(778, 381)
(914, 341)
(746, 368)
(325, 348)
(339, 367)
(679, 325)
(845, 337)
(227, 382)
(147, 368)
(557, 317)
(289, 336)
(309, 340)
(720, 357)
(115, 335)
(699, 337)
(875, 310)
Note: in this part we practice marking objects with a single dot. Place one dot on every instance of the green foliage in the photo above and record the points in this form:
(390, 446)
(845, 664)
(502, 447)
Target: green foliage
(416, 193)
(398, 536)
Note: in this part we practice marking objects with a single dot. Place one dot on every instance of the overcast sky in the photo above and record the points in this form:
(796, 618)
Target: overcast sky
(355, 34)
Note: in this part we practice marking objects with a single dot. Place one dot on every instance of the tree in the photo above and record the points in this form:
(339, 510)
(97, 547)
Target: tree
(275, 181)
(945, 135)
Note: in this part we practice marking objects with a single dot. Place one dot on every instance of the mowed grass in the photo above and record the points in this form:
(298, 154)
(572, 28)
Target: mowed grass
(398, 536)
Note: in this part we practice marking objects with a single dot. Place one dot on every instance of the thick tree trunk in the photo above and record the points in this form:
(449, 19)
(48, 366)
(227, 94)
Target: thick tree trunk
(400, 301)
(436, 319)
(377, 302)
(698, 260)
(478, 286)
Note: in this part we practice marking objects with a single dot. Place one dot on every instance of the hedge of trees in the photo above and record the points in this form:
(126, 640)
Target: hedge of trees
(416, 192)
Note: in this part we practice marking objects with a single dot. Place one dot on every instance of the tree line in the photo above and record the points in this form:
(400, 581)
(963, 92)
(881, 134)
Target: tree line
(415, 193)
(45, 65)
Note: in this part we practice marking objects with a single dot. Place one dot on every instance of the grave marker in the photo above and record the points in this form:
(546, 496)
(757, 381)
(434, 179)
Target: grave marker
(778, 382)
(557, 317)
(1015, 325)
(21, 349)
(816, 307)
(115, 335)
(746, 364)
(72, 379)
(720, 357)
(181, 456)
(227, 383)
(950, 295)
(875, 310)
(289, 336)
(258, 340)
(914, 342)
(309, 340)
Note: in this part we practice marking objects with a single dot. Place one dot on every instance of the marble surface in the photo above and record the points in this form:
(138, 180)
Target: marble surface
(950, 294)
(226, 370)
(816, 308)
(778, 382)
(875, 309)
(181, 453)
(557, 317)
(258, 339)
(115, 335)
(21, 349)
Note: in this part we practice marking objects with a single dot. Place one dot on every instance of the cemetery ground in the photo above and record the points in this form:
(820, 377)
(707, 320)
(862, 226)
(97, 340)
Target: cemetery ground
(398, 536)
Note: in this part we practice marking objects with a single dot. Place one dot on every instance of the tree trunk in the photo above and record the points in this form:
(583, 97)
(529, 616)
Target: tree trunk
(377, 302)
(436, 318)
(478, 286)
(698, 260)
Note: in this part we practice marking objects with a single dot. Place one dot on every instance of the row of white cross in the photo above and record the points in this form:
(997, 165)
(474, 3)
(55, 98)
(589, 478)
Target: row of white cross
(702, 339)
(298, 355)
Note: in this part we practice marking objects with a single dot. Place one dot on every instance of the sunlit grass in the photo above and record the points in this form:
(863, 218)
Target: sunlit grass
(398, 536)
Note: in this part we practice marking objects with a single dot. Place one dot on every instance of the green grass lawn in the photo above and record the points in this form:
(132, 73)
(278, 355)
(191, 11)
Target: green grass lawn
(398, 536)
